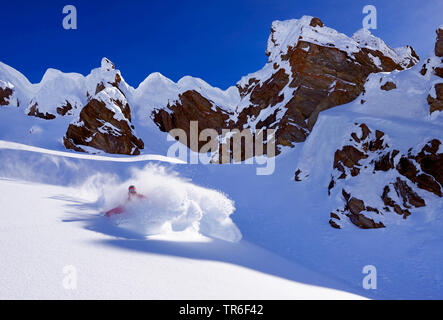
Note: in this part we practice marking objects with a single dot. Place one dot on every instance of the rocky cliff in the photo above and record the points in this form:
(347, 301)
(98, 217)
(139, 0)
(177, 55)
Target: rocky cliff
(377, 156)
(94, 110)
(310, 68)
(369, 154)
(385, 159)
(104, 123)
(435, 66)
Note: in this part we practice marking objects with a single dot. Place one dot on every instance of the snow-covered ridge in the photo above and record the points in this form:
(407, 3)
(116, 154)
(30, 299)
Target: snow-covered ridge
(399, 55)
(141, 158)
(64, 95)
(157, 91)
(154, 92)
(285, 34)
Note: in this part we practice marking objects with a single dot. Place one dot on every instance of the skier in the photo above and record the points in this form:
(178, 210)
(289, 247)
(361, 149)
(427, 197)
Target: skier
(132, 195)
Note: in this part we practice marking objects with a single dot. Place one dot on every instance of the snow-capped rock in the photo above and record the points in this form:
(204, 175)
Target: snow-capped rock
(13, 80)
(104, 123)
(404, 174)
(311, 68)
(435, 96)
(69, 95)
(6, 93)
(383, 151)
(94, 110)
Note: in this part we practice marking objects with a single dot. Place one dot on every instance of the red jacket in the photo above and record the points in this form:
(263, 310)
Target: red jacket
(121, 208)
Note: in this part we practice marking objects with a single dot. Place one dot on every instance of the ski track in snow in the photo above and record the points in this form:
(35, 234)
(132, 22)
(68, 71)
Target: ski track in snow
(143, 157)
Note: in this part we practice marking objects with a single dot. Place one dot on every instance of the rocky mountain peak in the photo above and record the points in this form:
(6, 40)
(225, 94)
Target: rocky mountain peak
(310, 68)
(286, 34)
(105, 122)
(107, 64)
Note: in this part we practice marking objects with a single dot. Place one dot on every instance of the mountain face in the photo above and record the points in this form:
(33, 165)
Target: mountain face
(435, 97)
(105, 121)
(311, 68)
(377, 156)
(368, 154)
(96, 106)
(386, 158)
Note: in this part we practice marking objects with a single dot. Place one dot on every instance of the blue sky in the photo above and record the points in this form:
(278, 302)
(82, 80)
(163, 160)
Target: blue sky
(218, 41)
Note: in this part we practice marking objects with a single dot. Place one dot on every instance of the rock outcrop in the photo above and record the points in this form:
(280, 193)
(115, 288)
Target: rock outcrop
(370, 153)
(378, 177)
(311, 68)
(353, 210)
(435, 96)
(435, 100)
(100, 129)
(35, 112)
(192, 106)
(96, 106)
(6, 93)
(104, 123)
(65, 109)
(388, 86)
(57, 95)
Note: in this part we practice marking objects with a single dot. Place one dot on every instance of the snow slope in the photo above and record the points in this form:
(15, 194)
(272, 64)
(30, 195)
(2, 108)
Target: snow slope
(288, 249)
(56, 228)
(291, 218)
(76, 155)
(284, 225)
